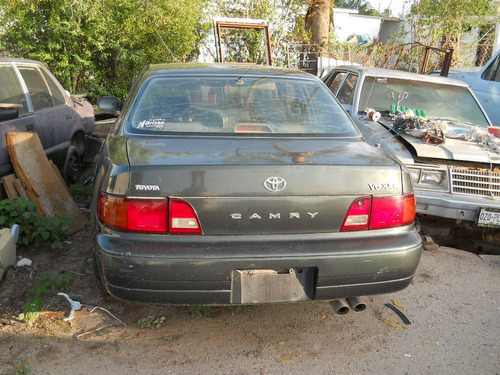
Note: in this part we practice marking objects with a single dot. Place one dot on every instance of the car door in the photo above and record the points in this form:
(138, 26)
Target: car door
(487, 89)
(53, 117)
(13, 95)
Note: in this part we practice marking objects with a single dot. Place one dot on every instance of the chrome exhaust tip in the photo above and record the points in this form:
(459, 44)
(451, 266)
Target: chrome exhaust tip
(340, 307)
(356, 304)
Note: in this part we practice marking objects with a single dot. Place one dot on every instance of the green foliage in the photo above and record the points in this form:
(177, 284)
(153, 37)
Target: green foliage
(199, 311)
(49, 284)
(444, 23)
(97, 46)
(286, 23)
(24, 370)
(151, 322)
(34, 229)
(81, 192)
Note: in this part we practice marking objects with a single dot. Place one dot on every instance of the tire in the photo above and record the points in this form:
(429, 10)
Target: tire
(72, 166)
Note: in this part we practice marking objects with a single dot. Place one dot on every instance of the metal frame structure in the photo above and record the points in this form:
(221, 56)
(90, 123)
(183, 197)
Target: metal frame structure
(241, 24)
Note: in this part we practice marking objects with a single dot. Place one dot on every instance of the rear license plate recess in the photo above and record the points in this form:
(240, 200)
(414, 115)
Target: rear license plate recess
(272, 285)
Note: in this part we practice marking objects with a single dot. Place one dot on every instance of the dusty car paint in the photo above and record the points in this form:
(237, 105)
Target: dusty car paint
(289, 233)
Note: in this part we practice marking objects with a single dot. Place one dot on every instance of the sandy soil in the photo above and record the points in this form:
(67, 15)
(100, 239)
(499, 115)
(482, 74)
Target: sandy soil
(453, 305)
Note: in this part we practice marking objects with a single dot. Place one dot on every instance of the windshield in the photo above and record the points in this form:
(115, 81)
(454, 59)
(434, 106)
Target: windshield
(435, 99)
(247, 106)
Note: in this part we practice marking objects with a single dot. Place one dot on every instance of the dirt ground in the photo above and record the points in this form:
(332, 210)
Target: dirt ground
(453, 305)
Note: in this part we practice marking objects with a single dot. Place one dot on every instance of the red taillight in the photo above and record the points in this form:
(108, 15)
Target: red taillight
(379, 213)
(358, 215)
(145, 215)
(183, 218)
(148, 215)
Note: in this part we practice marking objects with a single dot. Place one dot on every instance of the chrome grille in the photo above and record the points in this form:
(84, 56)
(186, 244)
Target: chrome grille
(474, 182)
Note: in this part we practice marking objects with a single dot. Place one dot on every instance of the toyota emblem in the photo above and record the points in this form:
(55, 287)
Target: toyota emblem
(275, 184)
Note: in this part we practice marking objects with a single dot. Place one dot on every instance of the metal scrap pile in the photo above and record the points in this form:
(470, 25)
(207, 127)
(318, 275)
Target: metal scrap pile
(436, 131)
(431, 131)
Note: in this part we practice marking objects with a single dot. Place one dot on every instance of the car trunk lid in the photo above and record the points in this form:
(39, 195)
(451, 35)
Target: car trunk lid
(265, 185)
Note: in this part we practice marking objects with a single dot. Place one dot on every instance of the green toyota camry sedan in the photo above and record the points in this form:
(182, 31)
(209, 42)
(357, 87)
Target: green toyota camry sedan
(241, 184)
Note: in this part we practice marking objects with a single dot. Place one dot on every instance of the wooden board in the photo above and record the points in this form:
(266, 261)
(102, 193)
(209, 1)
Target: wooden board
(42, 184)
(8, 184)
(20, 189)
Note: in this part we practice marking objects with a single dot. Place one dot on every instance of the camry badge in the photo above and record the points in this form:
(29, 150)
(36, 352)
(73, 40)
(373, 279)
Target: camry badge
(274, 184)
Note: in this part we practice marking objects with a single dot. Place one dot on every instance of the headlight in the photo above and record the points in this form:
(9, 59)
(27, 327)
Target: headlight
(432, 177)
(415, 175)
(429, 178)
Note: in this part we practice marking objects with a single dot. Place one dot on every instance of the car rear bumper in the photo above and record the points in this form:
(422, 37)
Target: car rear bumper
(452, 206)
(199, 269)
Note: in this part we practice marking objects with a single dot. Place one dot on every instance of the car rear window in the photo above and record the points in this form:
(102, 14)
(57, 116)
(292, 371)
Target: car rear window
(238, 105)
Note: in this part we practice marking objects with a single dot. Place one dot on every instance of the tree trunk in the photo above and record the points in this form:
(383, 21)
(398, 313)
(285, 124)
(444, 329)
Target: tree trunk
(318, 20)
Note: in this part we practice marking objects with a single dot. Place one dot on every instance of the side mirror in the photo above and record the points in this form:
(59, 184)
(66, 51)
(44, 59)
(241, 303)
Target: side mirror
(109, 104)
(8, 113)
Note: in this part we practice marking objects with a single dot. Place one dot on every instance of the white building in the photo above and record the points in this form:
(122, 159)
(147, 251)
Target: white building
(348, 23)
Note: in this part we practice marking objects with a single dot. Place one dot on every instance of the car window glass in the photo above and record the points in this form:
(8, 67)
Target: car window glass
(57, 94)
(436, 99)
(249, 105)
(491, 73)
(11, 92)
(346, 93)
(336, 82)
(37, 88)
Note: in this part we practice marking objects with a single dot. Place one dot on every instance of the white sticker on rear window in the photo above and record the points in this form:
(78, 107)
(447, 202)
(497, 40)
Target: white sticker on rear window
(155, 123)
(382, 80)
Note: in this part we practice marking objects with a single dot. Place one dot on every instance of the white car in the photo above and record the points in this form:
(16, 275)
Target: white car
(436, 127)
(485, 83)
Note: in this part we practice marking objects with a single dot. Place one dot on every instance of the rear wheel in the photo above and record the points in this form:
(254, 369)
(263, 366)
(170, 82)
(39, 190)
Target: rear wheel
(72, 166)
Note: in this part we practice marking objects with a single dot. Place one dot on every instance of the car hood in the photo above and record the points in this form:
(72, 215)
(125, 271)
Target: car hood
(452, 149)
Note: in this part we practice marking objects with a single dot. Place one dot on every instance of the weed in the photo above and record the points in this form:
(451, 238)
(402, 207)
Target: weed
(172, 338)
(33, 229)
(81, 192)
(199, 311)
(24, 369)
(151, 322)
(50, 283)
(426, 274)
(238, 308)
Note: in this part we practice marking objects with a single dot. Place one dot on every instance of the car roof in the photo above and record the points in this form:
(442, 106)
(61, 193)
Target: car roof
(225, 69)
(380, 72)
(18, 60)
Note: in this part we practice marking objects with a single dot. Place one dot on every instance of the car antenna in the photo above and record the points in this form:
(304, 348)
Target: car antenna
(238, 80)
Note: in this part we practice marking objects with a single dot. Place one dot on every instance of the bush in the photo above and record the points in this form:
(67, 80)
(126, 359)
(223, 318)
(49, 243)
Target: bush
(34, 229)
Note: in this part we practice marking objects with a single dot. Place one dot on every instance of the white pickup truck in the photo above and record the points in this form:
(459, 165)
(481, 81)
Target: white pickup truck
(485, 83)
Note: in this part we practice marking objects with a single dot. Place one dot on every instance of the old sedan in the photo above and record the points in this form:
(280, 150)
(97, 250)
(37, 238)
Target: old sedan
(437, 128)
(225, 184)
(32, 100)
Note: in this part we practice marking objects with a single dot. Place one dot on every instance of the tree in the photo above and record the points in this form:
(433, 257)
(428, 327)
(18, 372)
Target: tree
(444, 22)
(318, 20)
(97, 46)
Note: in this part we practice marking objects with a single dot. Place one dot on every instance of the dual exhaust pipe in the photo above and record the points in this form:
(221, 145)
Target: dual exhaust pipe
(343, 306)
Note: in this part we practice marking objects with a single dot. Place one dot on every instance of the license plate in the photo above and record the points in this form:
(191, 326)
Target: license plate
(489, 217)
(271, 285)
